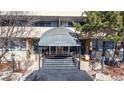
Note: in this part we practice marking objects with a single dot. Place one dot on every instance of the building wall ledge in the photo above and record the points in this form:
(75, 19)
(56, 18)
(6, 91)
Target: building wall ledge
(25, 32)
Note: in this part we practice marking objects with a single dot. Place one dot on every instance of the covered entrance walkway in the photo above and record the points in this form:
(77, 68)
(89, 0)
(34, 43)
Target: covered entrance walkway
(59, 48)
(56, 46)
(59, 42)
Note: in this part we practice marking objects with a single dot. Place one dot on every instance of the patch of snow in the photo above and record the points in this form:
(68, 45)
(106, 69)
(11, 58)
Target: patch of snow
(29, 71)
(5, 74)
(102, 77)
(16, 76)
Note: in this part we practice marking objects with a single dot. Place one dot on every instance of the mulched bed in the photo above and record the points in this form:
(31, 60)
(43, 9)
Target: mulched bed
(10, 78)
(115, 71)
(4, 66)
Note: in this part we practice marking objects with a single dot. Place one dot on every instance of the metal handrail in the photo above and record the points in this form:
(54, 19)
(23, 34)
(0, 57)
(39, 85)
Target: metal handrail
(76, 62)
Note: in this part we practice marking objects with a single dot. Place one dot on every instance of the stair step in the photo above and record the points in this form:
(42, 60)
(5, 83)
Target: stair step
(58, 59)
(58, 63)
(50, 61)
(60, 68)
(66, 63)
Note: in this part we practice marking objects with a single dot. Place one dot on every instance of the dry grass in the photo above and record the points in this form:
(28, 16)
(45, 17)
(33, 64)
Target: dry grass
(115, 71)
(4, 66)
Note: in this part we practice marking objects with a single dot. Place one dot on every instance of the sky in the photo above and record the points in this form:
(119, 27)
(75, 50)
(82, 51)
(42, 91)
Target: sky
(61, 5)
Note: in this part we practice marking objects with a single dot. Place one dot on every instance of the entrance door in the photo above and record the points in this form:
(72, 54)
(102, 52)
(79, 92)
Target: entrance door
(59, 50)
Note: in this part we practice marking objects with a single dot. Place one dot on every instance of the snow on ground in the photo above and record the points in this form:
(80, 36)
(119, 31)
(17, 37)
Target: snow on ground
(6, 73)
(109, 74)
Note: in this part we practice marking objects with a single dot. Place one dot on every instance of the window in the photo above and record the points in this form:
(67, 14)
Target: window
(95, 44)
(15, 22)
(17, 45)
(36, 48)
(108, 45)
(66, 24)
(54, 24)
(70, 24)
(14, 45)
(21, 22)
(6, 22)
(46, 23)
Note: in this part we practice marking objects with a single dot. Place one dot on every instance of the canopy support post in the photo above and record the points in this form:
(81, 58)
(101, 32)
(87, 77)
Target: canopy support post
(77, 50)
(39, 61)
(56, 50)
(68, 50)
(80, 50)
(59, 22)
(41, 51)
(62, 50)
(49, 50)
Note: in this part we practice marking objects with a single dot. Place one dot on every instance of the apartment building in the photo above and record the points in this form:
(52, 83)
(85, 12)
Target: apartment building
(22, 33)
(27, 34)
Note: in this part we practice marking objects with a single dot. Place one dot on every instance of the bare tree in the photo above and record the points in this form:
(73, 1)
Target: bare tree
(12, 26)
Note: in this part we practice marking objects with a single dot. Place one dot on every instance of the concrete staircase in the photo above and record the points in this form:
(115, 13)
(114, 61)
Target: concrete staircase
(59, 63)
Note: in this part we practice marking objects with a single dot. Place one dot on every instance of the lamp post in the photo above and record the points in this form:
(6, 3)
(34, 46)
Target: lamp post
(122, 43)
(39, 60)
(13, 61)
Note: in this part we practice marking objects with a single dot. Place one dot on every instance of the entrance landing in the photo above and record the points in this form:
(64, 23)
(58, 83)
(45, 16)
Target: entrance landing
(59, 75)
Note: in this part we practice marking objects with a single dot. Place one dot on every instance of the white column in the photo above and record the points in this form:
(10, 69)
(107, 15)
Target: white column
(77, 50)
(59, 22)
(56, 50)
(39, 62)
(68, 50)
(91, 45)
(62, 49)
(50, 50)
(27, 44)
(80, 50)
(41, 51)
(27, 48)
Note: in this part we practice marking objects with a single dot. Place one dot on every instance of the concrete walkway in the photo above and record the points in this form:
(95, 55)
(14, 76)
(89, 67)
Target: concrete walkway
(59, 75)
